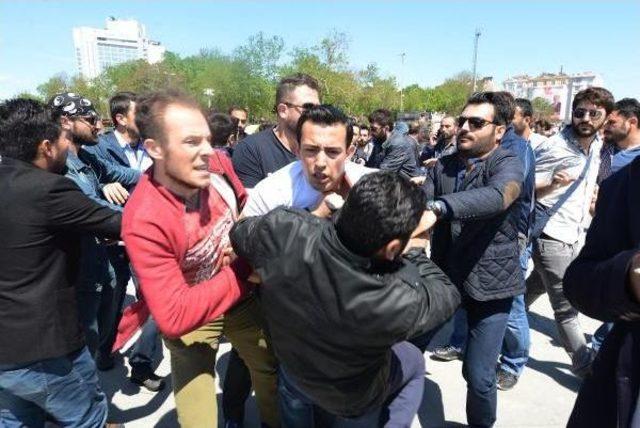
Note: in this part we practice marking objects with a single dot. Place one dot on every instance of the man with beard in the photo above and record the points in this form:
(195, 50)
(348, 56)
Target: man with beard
(620, 131)
(241, 114)
(392, 150)
(46, 371)
(475, 242)
(122, 148)
(446, 143)
(566, 172)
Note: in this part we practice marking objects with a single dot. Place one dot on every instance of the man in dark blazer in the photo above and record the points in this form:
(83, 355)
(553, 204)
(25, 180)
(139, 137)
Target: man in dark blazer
(603, 282)
(46, 371)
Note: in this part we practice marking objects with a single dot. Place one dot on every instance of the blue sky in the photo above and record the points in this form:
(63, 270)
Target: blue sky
(437, 37)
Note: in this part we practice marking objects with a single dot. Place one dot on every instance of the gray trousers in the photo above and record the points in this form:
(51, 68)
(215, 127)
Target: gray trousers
(551, 259)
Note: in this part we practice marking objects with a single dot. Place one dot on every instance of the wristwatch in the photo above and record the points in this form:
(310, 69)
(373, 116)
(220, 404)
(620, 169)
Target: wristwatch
(437, 207)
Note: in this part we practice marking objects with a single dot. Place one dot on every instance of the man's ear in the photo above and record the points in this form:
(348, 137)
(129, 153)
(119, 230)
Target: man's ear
(350, 151)
(154, 148)
(66, 123)
(500, 130)
(44, 149)
(119, 119)
(281, 110)
(391, 250)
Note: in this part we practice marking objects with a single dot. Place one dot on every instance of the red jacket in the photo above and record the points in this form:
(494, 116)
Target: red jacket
(154, 232)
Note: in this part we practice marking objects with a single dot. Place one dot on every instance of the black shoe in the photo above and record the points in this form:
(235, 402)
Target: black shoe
(104, 362)
(505, 380)
(446, 353)
(148, 379)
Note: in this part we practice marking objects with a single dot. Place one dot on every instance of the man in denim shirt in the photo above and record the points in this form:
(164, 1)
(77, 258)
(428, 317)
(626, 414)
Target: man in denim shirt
(95, 281)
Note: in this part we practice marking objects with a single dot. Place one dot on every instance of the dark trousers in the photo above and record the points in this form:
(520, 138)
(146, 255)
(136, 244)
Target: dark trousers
(406, 385)
(142, 352)
(236, 388)
(487, 322)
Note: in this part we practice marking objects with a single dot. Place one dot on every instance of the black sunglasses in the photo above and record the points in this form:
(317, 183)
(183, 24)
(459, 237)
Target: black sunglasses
(91, 120)
(305, 106)
(474, 122)
(580, 113)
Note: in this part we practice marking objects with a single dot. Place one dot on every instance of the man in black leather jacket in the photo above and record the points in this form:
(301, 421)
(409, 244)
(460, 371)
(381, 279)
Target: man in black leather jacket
(340, 300)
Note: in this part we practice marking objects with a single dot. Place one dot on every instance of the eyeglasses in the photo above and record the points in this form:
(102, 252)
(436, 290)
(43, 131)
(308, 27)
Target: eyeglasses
(475, 123)
(303, 107)
(580, 113)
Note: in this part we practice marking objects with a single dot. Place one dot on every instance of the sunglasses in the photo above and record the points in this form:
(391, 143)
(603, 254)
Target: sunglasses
(475, 123)
(580, 113)
(305, 106)
(91, 120)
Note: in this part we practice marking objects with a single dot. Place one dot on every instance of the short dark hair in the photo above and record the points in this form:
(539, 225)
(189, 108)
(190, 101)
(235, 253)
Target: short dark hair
(525, 106)
(510, 102)
(596, 95)
(414, 128)
(325, 114)
(235, 107)
(381, 207)
(382, 117)
(502, 110)
(364, 126)
(222, 126)
(628, 107)
(150, 109)
(24, 124)
(119, 104)
(290, 83)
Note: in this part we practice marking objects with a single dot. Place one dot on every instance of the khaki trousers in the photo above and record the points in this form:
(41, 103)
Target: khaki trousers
(193, 360)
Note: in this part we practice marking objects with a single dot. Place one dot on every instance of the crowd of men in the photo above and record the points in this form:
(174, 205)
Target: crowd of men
(327, 251)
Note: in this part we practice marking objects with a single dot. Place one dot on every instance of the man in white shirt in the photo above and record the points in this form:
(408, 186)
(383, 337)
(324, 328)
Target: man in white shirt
(566, 171)
(322, 168)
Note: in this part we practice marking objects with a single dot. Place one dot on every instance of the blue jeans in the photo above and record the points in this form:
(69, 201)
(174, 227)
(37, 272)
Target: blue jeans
(459, 334)
(64, 389)
(406, 385)
(487, 322)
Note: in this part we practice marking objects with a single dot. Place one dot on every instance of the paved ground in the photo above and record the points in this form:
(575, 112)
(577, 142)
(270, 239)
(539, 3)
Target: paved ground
(543, 398)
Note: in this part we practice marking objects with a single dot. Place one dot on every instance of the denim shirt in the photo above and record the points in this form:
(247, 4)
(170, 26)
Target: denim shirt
(94, 263)
(521, 148)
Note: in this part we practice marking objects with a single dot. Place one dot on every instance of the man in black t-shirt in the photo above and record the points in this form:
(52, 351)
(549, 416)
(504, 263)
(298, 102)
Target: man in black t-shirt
(254, 158)
(260, 154)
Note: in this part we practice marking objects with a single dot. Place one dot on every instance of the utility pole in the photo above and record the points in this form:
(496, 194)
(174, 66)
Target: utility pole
(475, 58)
(402, 55)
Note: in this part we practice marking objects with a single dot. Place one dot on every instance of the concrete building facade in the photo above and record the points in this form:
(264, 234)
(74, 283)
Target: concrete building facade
(558, 89)
(120, 41)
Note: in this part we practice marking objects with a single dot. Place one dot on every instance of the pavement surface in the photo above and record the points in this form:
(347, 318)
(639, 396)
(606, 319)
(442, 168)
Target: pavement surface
(543, 397)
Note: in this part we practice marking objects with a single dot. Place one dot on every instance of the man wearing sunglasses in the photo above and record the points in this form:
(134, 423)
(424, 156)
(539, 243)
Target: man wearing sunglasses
(97, 283)
(475, 241)
(566, 172)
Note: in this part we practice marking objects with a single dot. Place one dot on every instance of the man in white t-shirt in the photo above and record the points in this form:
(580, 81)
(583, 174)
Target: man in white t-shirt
(321, 176)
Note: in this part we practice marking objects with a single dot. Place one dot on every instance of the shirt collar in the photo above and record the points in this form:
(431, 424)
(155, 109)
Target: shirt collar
(570, 136)
(121, 140)
(74, 162)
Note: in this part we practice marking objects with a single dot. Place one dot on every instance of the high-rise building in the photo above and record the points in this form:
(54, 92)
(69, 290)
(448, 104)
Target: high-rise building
(120, 41)
(558, 89)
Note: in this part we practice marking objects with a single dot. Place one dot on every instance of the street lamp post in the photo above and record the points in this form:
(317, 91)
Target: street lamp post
(209, 93)
(402, 55)
(475, 58)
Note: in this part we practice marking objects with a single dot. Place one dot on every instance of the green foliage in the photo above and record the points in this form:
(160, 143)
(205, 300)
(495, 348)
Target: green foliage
(542, 108)
(248, 76)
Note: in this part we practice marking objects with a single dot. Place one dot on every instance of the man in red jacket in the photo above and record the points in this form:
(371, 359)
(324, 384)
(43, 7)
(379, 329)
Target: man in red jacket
(175, 227)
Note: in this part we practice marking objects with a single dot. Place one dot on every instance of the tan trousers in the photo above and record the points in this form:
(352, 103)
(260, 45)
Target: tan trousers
(193, 360)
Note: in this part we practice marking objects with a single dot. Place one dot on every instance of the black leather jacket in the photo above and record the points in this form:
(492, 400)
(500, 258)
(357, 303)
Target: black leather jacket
(331, 314)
